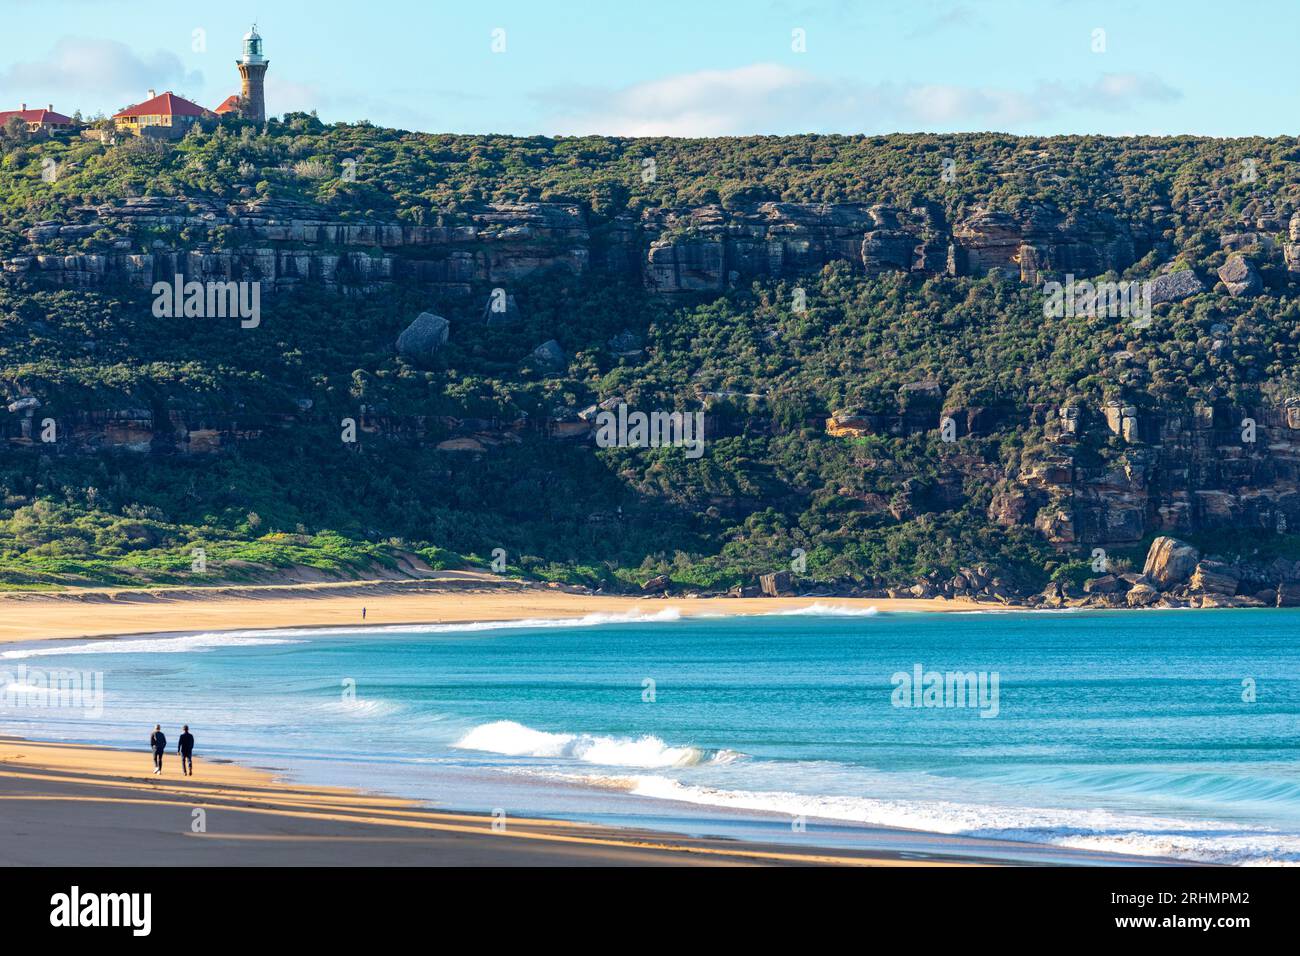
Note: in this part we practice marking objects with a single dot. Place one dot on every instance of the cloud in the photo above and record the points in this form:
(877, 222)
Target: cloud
(78, 64)
(769, 98)
(705, 103)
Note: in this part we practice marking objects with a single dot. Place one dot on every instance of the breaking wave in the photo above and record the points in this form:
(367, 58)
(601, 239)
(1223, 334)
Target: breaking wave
(828, 610)
(511, 739)
(148, 645)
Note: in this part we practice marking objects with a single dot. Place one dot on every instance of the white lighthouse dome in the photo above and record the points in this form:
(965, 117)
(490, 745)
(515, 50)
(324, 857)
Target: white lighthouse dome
(252, 47)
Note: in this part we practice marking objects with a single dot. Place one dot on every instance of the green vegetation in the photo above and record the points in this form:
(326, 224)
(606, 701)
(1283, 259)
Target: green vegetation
(876, 510)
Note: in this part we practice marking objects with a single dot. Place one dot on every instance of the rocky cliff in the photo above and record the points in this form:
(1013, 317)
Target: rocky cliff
(704, 249)
(1180, 470)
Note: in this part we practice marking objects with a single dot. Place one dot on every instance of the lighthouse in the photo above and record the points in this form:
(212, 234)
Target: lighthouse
(252, 69)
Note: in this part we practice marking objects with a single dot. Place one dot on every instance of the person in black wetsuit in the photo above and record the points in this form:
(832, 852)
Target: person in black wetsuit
(158, 741)
(185, 747)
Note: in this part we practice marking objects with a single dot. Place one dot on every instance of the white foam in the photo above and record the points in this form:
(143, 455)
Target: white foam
(294, 635)
(149, 645)
(597, 619)
(819, 609)
(511, 739)
(1202, 841)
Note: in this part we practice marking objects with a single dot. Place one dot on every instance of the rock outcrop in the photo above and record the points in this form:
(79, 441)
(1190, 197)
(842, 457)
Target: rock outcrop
(776, 584)
(1142, 595)
(281, 244)
(1240, 276)
(1175, 286)
(1170, 561)
(421, 340)
(1215, 577)
(549, 354)
(700, 249)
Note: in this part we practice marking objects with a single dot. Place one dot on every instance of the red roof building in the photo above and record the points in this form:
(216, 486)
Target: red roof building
(231, 104)
(37, 119)
(165, 110)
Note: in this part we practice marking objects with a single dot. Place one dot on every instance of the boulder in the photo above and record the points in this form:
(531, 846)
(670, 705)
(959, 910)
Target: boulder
(626, 344)
(1215, 577)
(1240, 276)
(1170, 561)
(1141, 595)
(1009, 507)
(1288, 594)
(550, 355)
(461, 444)
(656, 584)
(25, 404)
(422, 339)
(1229, 600)
(1175, 286)
(776, 584)
(1106, 584)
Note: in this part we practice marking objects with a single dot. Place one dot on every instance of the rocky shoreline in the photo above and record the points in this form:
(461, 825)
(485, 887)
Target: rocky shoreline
(1175, 575)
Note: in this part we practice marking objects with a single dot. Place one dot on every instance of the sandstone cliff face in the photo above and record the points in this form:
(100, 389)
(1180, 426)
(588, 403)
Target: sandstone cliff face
(282, 243)
(1185, 470)
(703, 249)
(1182, 470)
(709, 248)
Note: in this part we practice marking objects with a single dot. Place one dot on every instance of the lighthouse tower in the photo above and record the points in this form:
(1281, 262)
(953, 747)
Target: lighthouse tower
(252, 68)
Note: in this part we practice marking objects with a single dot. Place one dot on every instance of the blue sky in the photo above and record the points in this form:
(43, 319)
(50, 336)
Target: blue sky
(685, 67)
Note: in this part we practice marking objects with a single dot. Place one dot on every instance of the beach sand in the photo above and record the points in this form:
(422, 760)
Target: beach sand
(445, 597)
(72, 805)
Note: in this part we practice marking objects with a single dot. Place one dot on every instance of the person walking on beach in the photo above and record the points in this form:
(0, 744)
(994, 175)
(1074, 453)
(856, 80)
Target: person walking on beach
(185, 747)
(158, 741)
(363, 614)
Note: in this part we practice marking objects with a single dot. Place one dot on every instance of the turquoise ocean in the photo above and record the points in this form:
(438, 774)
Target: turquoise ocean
(1156, 734)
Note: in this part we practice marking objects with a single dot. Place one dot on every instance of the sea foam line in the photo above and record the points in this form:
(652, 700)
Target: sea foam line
(152, 645)
(818, 609)
(1202, 841)
(209, 640)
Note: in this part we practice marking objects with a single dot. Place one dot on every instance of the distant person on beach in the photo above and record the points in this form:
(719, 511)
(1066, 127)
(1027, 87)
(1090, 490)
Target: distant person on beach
(363, 614)
(185, 747)
(158, 741)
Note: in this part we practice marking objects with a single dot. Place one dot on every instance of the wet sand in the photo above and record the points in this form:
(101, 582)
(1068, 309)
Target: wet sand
(72, 805)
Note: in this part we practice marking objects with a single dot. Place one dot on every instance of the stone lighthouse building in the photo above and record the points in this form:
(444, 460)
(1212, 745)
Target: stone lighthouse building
(252, 69)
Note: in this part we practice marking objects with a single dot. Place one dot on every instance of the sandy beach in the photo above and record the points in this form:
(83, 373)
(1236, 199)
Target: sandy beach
(86, 805)
(94, 806)
(83, 805)
(445, 597)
